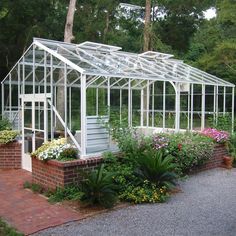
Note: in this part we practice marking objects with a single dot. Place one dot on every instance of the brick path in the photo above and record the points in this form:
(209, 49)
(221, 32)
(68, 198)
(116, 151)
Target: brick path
(26, 211)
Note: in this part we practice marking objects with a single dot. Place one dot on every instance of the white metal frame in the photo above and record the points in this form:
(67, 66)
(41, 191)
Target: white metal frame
(100, 66)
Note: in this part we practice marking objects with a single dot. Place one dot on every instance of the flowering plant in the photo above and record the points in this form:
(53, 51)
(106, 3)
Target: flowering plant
(217, 135)
(55, 149)
(160, 142)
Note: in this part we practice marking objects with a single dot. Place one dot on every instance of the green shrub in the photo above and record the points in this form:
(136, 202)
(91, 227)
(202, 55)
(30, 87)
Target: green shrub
(6, 230)
(123, 167)
(156, 167)
(68, 154)
(232, 147)
(224, 122)
(36, 188)
(189, 150)
(98, 188)
(7, 136)
(68, 193)
(145, 193)
(5, 124)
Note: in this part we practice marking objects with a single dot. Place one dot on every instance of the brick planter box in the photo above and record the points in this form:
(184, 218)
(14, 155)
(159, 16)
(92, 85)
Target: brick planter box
(215, 161)
(10, 155)
(52, 174)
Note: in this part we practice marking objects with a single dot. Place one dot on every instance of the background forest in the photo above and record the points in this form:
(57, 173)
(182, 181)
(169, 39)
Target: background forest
(177, 27)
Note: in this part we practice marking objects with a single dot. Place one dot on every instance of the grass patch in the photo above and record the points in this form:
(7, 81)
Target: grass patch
(6, 230)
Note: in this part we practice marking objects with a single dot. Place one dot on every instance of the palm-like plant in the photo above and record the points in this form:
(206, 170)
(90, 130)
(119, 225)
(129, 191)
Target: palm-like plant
(98, 188)
(157, 168)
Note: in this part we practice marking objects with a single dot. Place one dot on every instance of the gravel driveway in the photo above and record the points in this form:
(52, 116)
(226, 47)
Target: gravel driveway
(206, 206)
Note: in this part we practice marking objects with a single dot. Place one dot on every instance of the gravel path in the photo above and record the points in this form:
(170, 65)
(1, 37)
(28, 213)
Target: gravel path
(206, 206)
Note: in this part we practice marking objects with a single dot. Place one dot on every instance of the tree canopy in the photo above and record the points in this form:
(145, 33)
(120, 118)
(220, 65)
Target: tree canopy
(176, 26)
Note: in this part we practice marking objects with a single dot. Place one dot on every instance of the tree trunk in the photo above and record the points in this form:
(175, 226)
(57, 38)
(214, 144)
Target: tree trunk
(68, 37)
(68, 33)
(106, 27)
(147, 23)
(146, 47)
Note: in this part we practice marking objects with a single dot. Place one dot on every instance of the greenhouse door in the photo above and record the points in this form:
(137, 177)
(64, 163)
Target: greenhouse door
(34, 125)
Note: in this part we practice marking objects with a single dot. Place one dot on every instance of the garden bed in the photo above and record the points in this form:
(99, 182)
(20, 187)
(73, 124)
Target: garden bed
(10, 155)
(52, 174)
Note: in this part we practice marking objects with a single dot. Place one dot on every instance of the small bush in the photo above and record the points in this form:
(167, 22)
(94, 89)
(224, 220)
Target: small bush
(7, 136)
(36, 188)
(98, 188)
(157, 167)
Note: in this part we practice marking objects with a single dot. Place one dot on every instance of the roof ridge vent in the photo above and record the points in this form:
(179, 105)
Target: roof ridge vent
(155, 55)
(98, 47)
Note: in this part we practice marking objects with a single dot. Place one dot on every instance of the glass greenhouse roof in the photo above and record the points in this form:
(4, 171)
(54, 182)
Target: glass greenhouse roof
(97, 59)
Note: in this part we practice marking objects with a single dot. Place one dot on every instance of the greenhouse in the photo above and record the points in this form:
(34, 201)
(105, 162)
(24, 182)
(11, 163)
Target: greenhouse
(72, 87)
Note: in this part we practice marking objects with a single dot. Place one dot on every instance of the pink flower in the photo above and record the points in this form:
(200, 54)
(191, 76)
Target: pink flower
(217, 135)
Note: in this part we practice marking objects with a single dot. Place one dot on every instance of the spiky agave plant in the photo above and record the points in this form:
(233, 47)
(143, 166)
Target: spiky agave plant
(99, 188)
(158, 168)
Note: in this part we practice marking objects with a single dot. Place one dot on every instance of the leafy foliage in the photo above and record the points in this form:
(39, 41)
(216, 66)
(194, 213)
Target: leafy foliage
(4, 124)
(189, 150)
(224, 122)
(7, 230)
(68, 193)
(69, 153)
(7, 136)
(98, 188)
(157, 168)
(232, 147)
(145, 193)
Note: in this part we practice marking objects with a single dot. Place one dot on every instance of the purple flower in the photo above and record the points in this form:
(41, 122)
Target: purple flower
(160, 142)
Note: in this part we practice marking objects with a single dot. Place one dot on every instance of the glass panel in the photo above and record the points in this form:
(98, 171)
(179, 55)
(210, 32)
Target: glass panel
(39, 139)
(28, 141)
(28, 115)
(39, 115)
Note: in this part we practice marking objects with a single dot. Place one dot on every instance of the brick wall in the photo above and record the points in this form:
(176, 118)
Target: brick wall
(52, 174)
(10, 155)
(216, 160)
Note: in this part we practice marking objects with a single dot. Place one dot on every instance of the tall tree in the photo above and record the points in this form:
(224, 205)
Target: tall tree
(147, 26)
(68, 32)
(213, 46)
(68, 37)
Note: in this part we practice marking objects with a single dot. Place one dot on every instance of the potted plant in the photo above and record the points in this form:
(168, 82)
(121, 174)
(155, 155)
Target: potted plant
(228, 160)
